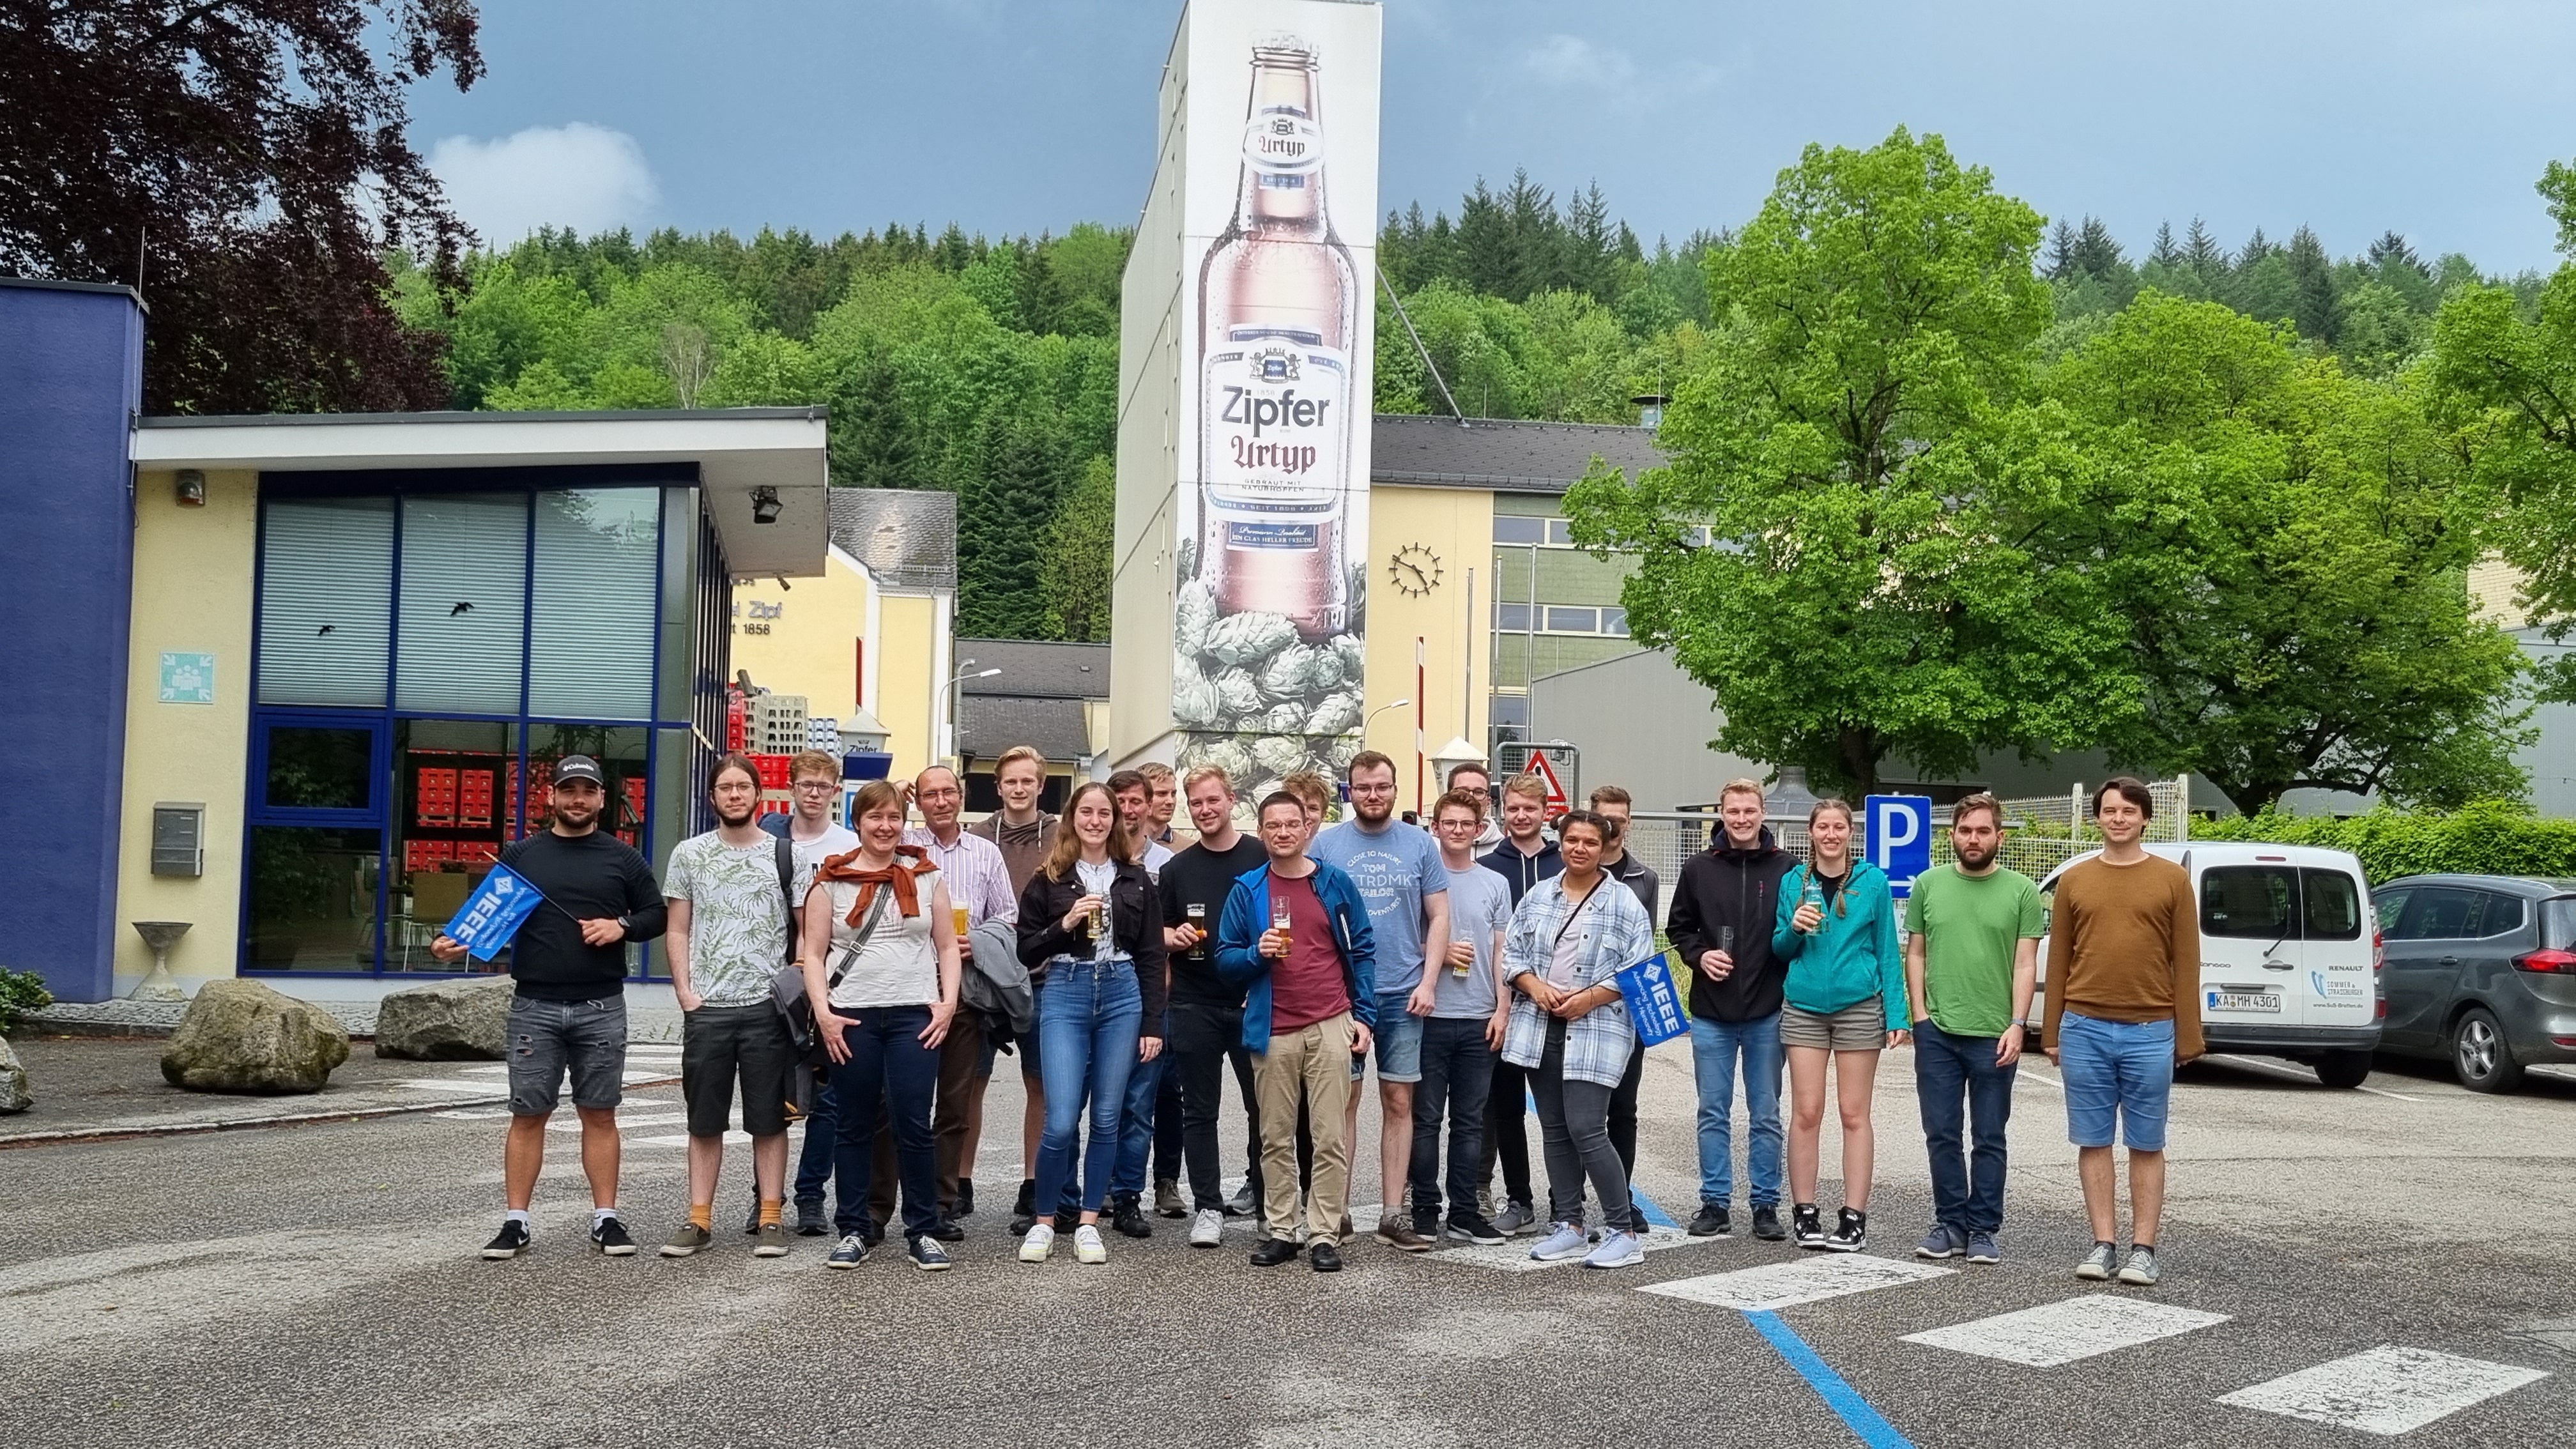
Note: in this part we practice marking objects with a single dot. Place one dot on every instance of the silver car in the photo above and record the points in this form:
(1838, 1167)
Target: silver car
(2482, 970)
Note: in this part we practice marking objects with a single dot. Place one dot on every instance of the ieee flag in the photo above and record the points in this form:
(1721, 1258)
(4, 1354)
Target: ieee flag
(1654, 1006)
(493, 914)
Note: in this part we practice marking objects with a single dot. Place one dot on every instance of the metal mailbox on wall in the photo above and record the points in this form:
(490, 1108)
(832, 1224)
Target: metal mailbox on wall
(179, 839)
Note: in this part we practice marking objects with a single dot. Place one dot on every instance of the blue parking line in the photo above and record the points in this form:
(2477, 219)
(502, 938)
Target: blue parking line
(1839, 1396)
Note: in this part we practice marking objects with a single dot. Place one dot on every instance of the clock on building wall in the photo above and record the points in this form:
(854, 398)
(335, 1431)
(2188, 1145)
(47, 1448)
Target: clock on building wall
(1414, 570)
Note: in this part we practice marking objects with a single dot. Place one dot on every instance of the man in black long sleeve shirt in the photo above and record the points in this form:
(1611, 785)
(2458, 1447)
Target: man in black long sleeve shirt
(1721, 930)
(569, 1012)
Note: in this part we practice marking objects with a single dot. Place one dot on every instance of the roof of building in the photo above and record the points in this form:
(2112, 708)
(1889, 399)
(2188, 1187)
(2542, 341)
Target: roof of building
(1507, 455)
(1055, 728)
(906, 537)
(1032, 669)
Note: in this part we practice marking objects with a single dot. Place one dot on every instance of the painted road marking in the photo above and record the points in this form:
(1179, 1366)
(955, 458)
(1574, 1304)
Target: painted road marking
(681, 1139)
(1514, 1256)
(2385, 1390)
(472, 1114)
(1784, 1285)
(446, 1084)
(2293, 1074)
(2077, 1328)
(1841, 1397)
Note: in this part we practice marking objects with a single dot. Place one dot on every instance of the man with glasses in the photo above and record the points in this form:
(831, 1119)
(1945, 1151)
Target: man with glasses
(979, 883)
(814, 837)
(1474, 780)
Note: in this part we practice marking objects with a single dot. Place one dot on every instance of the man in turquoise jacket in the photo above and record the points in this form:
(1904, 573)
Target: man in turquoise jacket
(1295, 933)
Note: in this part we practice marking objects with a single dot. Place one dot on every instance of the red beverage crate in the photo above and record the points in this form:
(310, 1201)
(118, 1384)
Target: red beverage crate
(775, 770)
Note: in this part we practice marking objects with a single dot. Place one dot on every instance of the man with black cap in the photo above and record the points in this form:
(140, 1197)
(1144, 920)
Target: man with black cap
(569, 1013)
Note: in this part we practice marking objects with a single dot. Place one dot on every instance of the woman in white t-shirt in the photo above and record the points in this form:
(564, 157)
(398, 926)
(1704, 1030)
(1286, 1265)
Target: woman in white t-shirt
(879, 953)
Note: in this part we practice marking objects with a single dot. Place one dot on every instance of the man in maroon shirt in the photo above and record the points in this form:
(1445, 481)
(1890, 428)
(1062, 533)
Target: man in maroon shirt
(1297, 935)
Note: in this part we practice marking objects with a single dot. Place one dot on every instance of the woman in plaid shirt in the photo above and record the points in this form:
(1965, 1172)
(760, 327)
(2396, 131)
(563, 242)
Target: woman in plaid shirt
(1570, 937)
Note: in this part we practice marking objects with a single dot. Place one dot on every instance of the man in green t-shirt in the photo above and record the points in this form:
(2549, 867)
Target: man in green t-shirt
(1971, 952)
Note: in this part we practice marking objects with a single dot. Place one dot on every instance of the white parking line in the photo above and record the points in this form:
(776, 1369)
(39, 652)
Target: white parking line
(2058, 1333)
(1810, 1280)
(2293, 1074)
(1514, 1256)
(2385, 1390)
(2036, 1075)
(447, 1084)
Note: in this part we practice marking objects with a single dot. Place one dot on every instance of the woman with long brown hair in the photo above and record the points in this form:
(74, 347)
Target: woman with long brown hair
(1845, 1002)
(880, 958)
(1091, 934)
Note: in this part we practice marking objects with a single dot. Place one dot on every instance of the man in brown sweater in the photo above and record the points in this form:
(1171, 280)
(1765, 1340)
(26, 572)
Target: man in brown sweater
(1025, 833)
(2122, 1009)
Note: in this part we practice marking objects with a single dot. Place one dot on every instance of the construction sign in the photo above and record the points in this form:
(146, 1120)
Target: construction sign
(1559, 799)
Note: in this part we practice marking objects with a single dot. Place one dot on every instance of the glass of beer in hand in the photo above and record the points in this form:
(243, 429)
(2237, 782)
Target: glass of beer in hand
(1279, 923)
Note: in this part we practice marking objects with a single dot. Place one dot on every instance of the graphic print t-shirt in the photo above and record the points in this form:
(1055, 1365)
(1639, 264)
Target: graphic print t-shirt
(1395, 868)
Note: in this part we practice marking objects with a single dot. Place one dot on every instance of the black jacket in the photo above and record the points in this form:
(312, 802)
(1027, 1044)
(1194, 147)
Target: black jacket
(1135, 922)
(1739, 888)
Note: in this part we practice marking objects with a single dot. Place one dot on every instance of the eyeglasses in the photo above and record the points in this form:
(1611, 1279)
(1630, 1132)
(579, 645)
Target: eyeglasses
(816, 787)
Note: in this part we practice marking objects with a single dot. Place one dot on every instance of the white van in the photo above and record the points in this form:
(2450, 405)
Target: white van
(2290, 953)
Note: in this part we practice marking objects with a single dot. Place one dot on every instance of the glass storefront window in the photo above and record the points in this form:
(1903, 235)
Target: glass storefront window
(312, 899)
(326, 601)
(464, 603)
(591, 653)
(451, 816)
(314, 767)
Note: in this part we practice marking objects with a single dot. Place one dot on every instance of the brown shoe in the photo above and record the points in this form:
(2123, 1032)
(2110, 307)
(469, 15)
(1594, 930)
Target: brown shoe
(1395, 1232)
(772, 1243)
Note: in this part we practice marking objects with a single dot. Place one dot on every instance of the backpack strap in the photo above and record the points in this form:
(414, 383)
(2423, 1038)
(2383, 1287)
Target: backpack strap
(787, 886)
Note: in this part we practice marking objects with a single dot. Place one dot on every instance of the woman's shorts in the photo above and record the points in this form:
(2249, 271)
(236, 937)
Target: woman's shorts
(1859, 1027)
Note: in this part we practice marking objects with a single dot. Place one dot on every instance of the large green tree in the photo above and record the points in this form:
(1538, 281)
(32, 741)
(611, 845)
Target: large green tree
(1854, 445)
(1075, 574)
(2289, 545)
(2505, 379)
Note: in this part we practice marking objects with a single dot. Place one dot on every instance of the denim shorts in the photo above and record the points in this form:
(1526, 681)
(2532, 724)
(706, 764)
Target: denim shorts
(548, 1038)
(1399, 1041)
(2118, 1073)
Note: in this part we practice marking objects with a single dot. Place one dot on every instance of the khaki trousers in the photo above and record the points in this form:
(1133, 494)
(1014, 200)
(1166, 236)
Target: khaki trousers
(1312, 1063)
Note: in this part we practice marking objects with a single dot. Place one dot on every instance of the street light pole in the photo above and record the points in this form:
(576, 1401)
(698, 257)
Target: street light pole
(956, 693)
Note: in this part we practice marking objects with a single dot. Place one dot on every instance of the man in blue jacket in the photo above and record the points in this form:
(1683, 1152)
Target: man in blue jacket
(1296, 933)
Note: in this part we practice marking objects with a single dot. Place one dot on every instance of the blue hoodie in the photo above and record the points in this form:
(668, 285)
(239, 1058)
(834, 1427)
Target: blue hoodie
(1247, 915)
(1852, 956)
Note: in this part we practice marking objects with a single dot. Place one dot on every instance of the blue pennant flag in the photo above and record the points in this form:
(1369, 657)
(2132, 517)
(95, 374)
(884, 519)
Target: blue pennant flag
(1654, 1004)
(494, 913)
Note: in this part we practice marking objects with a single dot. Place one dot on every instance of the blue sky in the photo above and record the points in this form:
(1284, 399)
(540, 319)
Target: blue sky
(1014, 115)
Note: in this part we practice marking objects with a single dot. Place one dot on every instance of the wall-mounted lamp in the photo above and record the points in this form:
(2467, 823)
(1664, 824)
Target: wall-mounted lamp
(192, 488)
(765, 506)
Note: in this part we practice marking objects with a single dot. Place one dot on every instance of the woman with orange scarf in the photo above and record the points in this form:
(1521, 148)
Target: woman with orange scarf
(879, 953)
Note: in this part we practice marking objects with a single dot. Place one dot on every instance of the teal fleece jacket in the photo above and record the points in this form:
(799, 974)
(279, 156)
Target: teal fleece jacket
(1852, 956)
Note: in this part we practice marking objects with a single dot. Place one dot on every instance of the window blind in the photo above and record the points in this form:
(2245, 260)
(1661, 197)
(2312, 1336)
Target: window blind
(326, 601)
(464, 603)
(591, 656)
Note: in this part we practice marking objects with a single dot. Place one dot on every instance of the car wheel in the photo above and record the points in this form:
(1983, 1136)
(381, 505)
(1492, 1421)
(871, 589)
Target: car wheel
(2344, 1068)
(2479, 1053)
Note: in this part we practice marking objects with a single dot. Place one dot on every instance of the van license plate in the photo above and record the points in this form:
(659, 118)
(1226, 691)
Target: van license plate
(2245, 1001)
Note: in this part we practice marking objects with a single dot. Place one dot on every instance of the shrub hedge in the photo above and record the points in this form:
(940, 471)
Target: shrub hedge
(2488, 837)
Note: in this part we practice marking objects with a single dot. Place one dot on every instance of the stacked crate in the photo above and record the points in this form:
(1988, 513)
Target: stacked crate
(777, 724)
(823, 732)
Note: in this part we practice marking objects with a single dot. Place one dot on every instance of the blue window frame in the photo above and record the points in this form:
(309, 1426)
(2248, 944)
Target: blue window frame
(324, 821)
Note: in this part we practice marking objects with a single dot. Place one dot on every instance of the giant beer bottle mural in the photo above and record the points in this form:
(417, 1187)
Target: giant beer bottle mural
(1268, 624)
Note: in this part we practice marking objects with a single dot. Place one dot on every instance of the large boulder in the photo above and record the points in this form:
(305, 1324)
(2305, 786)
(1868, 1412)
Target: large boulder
(241, 1036)
(447, 1021)
(14, 1094)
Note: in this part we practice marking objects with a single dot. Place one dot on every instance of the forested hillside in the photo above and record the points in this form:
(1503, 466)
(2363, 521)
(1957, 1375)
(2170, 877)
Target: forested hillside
(989, 367)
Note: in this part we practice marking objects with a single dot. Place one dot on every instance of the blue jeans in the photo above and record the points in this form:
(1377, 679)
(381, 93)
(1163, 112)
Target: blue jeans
(1088, 1016)
(2118, 1075)
(1715, 1048)
(815, 1162)
(1952, 1072)
(887, 1062)
(1140, 1122)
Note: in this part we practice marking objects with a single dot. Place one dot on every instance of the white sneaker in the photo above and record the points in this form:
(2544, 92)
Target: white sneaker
(1207, 1228)
(1087, 1247)
(1040, 1242)
(1567, 1241)
(1617, 1250)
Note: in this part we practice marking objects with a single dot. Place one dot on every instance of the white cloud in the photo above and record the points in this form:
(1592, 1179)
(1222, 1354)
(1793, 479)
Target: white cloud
(579, 175)
(1571, 60)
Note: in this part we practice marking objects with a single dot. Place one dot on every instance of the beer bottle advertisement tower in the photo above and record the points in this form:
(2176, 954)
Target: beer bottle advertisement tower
(1262, 333)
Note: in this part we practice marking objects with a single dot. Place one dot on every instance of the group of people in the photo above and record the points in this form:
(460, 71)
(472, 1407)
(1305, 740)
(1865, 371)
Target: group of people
(1293, 957)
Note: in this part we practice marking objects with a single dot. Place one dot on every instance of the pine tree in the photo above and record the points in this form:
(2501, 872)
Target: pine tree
(2202, 253)
(2060, 258)
(1075, 570)
(870, 445)
(2097, 252)
(2392, 247)
(2165, 252)
(954, 253)
(2315, 307)
(1001, 528)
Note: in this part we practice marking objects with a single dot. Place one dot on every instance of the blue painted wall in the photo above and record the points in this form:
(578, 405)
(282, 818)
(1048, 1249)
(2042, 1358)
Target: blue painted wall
(71, 380)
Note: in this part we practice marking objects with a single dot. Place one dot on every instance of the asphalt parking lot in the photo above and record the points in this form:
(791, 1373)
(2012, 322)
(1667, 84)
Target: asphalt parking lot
(2375, 1266)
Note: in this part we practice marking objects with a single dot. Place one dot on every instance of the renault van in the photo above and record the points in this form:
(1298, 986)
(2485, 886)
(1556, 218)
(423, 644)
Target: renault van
(2290, 952)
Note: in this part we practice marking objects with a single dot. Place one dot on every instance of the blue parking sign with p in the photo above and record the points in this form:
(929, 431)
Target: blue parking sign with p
(1896, 835)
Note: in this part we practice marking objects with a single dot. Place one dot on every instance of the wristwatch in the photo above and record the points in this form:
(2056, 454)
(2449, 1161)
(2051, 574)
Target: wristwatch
(625, 925)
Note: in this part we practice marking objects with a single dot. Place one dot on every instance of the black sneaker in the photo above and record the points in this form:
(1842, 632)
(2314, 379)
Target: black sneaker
(1066, 1220)
(927, 1255)
(607, 1236)
(811, 1220)
(1325, 1258)
(1806, 1227)
(946, 1230)
(1274, 1251)
(1475, 1228)
(1025, 1205)
(965, 1197)
(851, 1251)
(1021, 1224)
(1766, 1223)
(1127, 1215)
(1712, 1221)
(512, 1240)
(1850, 1234)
